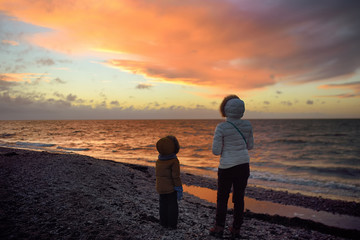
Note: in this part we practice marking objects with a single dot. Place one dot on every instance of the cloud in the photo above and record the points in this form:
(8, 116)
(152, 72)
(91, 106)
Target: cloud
(59, 95)
(28, 78)
(71, 98)
(9, 77)
(115, 103)
(30, 108)
(39, 107)
(58, 80)
(10, 42)
(45, 61)
(144, 86)
(286, 103)
(353, 87)
(5, 85)
(223, 44)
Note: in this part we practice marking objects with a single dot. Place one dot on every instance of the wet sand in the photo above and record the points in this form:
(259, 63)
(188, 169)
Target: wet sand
(68, 196)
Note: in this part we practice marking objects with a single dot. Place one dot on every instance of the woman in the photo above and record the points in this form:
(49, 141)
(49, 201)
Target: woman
(232, 140)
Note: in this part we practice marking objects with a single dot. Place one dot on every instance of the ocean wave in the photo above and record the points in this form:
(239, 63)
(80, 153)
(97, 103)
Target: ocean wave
(151, 146)
(7, 135)
(31, 144)
(329, 135)
(332, 171)
(73, 149)
(195, 155)
(266, 176)
(208, 168)
(200, 150)
(290, 141)
(311, 141)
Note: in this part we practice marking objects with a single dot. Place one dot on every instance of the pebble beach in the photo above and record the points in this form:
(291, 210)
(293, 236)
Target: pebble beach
(47, 195)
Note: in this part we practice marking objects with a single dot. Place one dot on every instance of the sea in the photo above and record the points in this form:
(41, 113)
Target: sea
(315, 157)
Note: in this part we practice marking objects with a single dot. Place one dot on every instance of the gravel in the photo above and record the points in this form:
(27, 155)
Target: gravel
(68, 196)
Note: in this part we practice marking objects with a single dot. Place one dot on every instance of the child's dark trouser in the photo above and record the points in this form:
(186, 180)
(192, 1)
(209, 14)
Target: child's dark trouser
(169, 210)
(237, 177)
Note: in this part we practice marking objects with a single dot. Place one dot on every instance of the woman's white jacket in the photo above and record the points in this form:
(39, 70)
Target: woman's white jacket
(228, 142)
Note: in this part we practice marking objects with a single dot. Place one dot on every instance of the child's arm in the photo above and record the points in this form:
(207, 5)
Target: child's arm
(175, 171)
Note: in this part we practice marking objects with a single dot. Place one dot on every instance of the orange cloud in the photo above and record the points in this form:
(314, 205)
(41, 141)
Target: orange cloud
(9, 78)
(222, 44)
(353, 86)
(21, 77)
(10, 42)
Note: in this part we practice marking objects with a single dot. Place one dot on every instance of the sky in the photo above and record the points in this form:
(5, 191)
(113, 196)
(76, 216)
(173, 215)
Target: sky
(166, 59)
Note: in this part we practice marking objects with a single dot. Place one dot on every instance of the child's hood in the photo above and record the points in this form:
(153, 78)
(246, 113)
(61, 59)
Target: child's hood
(167, 146)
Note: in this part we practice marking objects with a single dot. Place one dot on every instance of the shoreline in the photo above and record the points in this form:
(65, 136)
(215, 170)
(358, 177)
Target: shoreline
(48, 195)
(282, 197)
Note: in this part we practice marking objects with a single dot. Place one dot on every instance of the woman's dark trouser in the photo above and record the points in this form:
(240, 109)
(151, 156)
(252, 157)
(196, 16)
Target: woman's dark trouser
(169, 210)
(237, 177)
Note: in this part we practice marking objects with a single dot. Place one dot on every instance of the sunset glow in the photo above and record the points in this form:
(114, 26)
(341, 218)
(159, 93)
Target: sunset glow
(178, 59)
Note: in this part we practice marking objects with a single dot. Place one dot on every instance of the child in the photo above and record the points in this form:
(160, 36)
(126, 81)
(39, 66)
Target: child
(168, 182)
(232, 140)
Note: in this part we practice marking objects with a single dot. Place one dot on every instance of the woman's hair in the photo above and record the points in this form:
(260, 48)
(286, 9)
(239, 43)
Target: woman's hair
(223, 103)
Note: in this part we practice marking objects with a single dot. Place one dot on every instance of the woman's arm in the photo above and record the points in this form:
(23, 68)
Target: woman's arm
(217, 145)
(250, 140)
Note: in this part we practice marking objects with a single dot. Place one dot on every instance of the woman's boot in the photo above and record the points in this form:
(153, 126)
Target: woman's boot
(217, 231)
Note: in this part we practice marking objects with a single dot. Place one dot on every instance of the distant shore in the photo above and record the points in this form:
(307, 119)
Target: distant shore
(68, 196)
